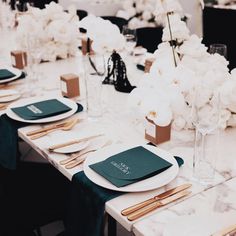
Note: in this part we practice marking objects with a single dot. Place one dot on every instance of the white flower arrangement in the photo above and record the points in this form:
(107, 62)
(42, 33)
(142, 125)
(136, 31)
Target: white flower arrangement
(167, 93)
(106, 36)
(143, 13)
(56, 30)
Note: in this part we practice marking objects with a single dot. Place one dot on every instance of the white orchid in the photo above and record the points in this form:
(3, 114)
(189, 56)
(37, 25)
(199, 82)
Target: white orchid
(198, 80)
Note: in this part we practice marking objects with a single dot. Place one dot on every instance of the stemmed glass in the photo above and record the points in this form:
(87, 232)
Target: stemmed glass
(205, 118)
(218, 48)
(131, 38)
(34, 53)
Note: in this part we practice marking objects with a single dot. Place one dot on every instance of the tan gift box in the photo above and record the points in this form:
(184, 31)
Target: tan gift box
(85, 46)
(70, 85)
(157, 134)
(19, 59)
(148, 64)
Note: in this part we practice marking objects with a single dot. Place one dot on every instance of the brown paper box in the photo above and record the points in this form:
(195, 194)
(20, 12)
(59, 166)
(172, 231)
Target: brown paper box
(19, 59)
(85, 46)
(148, 64)
(70, 85)
(157, 134)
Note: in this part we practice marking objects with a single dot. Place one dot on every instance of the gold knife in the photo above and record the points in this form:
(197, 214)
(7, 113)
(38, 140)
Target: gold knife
(231, 230)
(153, 206)
(72, 142)
(161, 196)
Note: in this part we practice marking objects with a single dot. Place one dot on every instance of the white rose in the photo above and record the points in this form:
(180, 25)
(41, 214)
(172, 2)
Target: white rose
(147, 15)
(227, 95)
(179, 29)
(232, 120)
(49, 51)
(123, 14)
(193, 47)
(178, 123)
(164, 62)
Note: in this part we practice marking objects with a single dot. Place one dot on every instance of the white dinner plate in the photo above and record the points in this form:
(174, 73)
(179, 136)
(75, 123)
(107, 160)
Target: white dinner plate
(15, 71)
(72, 148)
(139, 51)
(13, 95)
(148, 184)
(24, 102)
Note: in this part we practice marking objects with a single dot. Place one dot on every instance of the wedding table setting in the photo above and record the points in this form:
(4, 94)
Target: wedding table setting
(153, 149)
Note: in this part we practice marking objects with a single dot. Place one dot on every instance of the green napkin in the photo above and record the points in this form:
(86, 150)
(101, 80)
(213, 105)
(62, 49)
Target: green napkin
(42, 109)
(6, 74)
(131, 166)
(86, 205)
(9, 140)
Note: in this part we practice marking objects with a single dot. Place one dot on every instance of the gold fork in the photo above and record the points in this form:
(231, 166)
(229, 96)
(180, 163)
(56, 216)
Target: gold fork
(72, 160)
(69, 125)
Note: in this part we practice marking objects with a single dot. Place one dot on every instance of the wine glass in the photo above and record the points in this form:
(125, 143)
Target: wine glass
(205, 118)
(218, 48)
(131, 38)
(34, 53)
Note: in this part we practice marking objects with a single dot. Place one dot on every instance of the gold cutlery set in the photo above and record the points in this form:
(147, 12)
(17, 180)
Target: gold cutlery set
(66, 125)
(72, 161)
(138, 210)
(229, 231)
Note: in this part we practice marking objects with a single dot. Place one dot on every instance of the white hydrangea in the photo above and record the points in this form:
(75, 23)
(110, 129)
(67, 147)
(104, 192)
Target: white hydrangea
(103, 40)
(55, 29)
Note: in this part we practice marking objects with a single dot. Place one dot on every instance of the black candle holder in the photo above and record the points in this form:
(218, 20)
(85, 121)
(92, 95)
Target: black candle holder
(116, 74)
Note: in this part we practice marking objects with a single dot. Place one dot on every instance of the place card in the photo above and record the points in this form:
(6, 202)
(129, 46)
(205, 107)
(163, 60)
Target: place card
(156, 134)
(70, 85)
(148, 64)
(19, 59)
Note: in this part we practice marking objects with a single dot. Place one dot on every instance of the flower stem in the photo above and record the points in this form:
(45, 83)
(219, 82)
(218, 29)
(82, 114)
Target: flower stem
(171, 37)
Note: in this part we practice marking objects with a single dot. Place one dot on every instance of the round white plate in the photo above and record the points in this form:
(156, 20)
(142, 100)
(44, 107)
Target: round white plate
(72, 148)
(139, 51)
(15, 71)
(13, 95)
(148, 184)
(24, 102)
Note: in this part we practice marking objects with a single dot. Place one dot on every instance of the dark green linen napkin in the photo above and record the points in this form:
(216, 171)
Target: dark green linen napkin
(140, 67)
(85, 210)
(6, 74)
(41, 109)
(131, 166)
(9, 151)
(86, 206)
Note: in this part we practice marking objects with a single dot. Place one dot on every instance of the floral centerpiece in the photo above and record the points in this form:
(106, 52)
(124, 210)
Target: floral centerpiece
(167, 94)
(106, 36)
(142, 13)
(56, 30)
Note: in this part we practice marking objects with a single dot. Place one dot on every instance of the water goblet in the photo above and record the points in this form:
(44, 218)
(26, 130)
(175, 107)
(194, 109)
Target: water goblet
(95, 69)
(218, 48)
(205, 118)
(130, 37)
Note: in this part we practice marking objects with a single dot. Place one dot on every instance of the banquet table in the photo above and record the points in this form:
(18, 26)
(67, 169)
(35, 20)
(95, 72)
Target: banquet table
(213, 203)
